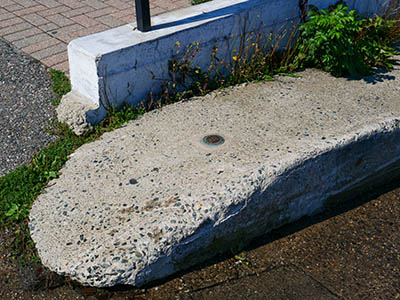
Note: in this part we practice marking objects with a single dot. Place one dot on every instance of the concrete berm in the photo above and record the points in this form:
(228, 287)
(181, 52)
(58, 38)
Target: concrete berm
(150, 199)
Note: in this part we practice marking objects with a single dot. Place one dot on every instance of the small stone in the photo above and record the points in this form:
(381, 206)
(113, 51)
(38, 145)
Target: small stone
(133, 181)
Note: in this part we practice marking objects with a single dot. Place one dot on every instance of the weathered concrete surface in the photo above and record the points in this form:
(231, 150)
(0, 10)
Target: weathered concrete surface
(119, 65)
(149, 199)
(74, 109)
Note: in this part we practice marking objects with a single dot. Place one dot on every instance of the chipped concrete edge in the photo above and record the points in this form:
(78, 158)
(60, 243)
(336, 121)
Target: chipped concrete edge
(76, 111)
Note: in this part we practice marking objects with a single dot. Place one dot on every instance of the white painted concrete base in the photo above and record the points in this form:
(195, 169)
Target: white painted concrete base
(117, 66)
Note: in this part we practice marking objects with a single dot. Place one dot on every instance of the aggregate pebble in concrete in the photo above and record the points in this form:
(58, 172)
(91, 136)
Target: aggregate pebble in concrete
(25, 88)
(149, 199)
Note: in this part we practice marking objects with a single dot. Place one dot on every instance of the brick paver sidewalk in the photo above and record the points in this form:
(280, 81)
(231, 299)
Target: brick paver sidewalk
(43, 28)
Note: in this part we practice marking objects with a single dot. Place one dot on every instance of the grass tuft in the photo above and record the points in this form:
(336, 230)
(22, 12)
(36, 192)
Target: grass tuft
(195, 2)
(60, 84)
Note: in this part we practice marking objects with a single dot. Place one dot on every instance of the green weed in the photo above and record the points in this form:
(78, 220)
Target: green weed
(60, 84)
(19, 188)
(339, 41)
(195, 2)
(256, 59)
(239, 254)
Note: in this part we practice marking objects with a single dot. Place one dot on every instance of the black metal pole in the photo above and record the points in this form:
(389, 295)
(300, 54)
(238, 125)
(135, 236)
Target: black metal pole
(143, 15)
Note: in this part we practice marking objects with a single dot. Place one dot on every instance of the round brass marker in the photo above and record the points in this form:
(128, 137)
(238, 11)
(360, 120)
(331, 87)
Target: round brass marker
(213, 140)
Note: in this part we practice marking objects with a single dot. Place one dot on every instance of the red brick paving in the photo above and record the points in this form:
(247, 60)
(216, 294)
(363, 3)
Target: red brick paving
(41, 45)
(11, 29)
(43, 28)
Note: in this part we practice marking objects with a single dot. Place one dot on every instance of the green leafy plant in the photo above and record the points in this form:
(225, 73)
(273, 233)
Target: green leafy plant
(339, 41)
(239, 254)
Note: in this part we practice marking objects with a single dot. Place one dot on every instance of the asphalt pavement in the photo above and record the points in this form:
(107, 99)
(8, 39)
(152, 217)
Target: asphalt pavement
(25, 109)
